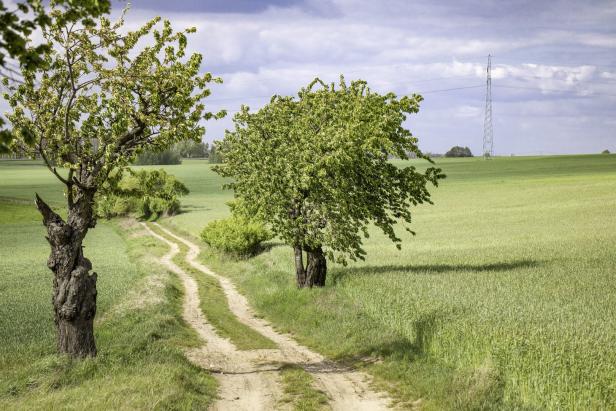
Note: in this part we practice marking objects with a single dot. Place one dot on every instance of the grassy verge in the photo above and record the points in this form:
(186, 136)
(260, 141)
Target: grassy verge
(299, 391)
(214, 306)
(139, 331)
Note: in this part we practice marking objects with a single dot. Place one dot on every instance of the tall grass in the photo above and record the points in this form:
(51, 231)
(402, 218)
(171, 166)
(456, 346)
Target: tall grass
(506, 298)
(139, 331)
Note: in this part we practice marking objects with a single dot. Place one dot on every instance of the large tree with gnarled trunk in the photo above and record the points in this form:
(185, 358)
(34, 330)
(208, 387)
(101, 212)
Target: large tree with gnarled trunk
(102, 96)
(316, 169)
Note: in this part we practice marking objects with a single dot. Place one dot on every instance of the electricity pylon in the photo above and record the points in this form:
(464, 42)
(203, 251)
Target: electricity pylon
(488, 132)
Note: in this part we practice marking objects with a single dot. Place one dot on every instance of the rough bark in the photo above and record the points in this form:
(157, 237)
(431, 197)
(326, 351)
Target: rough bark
(316, 267)
(74, 288)
(300, 271)
(315, 272)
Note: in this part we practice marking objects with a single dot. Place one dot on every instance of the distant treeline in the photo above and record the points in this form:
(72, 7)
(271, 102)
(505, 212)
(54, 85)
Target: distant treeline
(173, 155)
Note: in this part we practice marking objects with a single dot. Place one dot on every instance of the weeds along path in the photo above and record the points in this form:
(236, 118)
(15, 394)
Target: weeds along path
(346, 389)
(246, 381)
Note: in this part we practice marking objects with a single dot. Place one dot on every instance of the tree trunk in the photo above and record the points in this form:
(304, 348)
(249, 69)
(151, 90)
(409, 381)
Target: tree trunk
(74, 288)
(316, 268)
(313, 275)
(300, 272)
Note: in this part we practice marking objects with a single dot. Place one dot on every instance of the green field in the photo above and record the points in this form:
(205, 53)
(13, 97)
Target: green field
(139, 330)
(505, 299)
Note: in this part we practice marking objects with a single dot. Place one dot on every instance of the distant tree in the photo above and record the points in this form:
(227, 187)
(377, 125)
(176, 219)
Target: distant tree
(214, 155)
(316, 170)
(606, 151)
(192, 149)
(94, 105)
(458, 151)
(169, 156)
(16, 26)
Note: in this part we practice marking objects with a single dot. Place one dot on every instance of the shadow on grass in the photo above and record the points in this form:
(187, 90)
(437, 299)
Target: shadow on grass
(267, 247)
(418, 376)
(340, 274)
(401, 347)
(185, 209)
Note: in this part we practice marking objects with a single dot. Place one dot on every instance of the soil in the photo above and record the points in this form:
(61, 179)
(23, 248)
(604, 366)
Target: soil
(250, 379)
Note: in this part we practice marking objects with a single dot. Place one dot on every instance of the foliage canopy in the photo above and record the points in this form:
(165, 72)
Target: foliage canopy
(315, 168)
(16, 27)
(459, 151)
(97, 103)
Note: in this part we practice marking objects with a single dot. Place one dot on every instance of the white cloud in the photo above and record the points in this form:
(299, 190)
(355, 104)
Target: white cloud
(406, 46)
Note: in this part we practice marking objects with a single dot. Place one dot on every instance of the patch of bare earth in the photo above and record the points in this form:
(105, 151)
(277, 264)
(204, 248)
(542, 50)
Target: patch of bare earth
(249, 380)
(246, 381)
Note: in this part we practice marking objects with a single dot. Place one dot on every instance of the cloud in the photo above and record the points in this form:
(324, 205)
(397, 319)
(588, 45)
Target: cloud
(474, 112)
(553, 62)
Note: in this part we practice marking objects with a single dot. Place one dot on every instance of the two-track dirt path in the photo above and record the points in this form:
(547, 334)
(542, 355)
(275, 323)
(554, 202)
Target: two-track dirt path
(249, 380)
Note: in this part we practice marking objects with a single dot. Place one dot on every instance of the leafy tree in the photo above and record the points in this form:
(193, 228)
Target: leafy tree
(149, 193)
(17, 24)
(214, 156)
(192, 149)
(606, 151)
(458, 151)
(98, 102)
(315, 169)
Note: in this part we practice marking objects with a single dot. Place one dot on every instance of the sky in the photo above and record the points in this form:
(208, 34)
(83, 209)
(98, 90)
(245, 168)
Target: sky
(553, 64)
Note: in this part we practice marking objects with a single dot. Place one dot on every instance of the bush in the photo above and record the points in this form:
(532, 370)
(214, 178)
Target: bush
(458, 151)
(146, 193)
(605, 152)
(236, 235)
(167, 157)
(215, 157)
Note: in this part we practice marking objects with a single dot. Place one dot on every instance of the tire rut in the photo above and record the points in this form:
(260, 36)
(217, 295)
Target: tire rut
(347, 389)
(246, 382)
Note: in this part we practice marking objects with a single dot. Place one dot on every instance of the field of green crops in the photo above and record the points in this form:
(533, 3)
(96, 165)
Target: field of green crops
(506, 298)
(139, 331)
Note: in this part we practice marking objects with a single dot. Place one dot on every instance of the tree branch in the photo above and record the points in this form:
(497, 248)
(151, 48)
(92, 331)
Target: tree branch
(52, 169)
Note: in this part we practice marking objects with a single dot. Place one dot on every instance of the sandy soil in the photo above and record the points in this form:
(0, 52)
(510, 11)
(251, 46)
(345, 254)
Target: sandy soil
(249, 379)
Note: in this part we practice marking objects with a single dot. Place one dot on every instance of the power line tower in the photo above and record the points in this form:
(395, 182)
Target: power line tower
(488, 132)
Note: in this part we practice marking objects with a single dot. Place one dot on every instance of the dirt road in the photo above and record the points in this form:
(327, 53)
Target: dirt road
(249, 379)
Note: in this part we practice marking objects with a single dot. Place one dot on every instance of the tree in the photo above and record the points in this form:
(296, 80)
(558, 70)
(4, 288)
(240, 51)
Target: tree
(214, 155)
(458, 151)
(169, 156)
(316, 170)
(606, 151)
(192, 149)
(96, 104)
(16, 27)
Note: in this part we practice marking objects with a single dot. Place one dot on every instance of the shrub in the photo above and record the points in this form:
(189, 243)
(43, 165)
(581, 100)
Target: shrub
(146, 193)
(458, 151)
(605, 151)
(236, 235)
